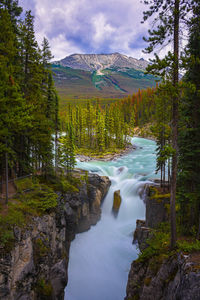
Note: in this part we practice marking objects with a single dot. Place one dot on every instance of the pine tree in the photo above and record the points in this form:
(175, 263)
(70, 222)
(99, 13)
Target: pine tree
(39, 91)
(30, 60)
(100, 132)
(189, 137)
(57, 127)
(162, 131)
(46, 54)
(14, 11)
(168, 13)
(106, 132)
(29, 103)
(67, 150)
(13, 108)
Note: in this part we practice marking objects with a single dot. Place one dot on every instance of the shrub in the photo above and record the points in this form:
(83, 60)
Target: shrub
(157, 245)
(65, 186)
(42, 198)
(24, 184)
(188, 246)
(62, 183)
(13, 218)
(6, 238)
(44, 289)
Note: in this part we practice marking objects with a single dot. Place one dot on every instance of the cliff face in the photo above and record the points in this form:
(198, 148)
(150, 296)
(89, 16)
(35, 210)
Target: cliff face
(36, 268)
(167, 277)
(174, 278)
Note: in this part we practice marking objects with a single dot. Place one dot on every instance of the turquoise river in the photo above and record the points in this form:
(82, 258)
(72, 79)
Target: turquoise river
(100, 258)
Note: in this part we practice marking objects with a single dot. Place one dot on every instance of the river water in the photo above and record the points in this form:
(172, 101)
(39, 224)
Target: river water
(100, 258)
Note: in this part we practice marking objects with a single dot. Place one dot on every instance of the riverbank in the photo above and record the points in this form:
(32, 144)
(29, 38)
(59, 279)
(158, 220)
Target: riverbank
(86, 155)
(107, 156)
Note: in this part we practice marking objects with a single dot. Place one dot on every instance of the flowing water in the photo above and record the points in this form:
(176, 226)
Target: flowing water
(100, 258)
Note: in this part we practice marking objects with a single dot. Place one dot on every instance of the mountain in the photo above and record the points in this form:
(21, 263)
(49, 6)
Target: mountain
(99, 62)
(100, 75)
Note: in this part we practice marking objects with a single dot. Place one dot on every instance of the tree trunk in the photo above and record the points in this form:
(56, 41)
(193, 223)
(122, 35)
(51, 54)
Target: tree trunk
(56, 134)
(169, 173)
(174, 126)
(56, 152)
(2, 173)
(6, 162)
(198, 233)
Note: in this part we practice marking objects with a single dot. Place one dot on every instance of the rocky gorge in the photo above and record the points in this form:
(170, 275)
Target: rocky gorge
(36, 268)
(168, 276)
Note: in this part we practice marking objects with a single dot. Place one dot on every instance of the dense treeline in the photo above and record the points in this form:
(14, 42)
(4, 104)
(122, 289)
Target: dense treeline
(95, 127)
(28, 100)
(107, 128)
(139, 108)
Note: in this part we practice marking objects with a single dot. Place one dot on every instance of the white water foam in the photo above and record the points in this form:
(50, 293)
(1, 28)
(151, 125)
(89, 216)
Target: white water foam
(100, 258)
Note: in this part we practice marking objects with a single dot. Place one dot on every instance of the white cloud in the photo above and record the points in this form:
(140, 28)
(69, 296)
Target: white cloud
(62, 47)
(103, 30)
(87, 26)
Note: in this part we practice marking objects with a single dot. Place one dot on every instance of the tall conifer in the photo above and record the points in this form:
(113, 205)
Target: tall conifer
(168, 15)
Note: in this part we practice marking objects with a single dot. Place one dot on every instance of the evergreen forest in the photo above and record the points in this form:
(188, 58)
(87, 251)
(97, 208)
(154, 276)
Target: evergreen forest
(40, 140)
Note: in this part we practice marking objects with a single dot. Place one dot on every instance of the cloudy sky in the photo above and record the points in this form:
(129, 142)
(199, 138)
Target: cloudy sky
(87, 26)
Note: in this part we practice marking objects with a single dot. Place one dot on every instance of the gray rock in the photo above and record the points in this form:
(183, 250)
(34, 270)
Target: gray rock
(172, 279)
(141, 234)
(156, 211)
(58, 278)
(94, 62)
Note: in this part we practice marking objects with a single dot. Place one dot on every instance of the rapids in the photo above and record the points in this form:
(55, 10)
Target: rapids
(100, 258)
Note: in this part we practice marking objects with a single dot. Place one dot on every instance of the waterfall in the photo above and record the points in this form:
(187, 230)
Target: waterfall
(100, 258)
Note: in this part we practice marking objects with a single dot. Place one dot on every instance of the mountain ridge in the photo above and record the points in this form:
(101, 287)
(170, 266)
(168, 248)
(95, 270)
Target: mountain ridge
(100, 62)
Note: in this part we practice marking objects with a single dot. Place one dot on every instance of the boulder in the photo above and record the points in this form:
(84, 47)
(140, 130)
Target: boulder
(116, 202)
(142, 234)
(120, 170)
